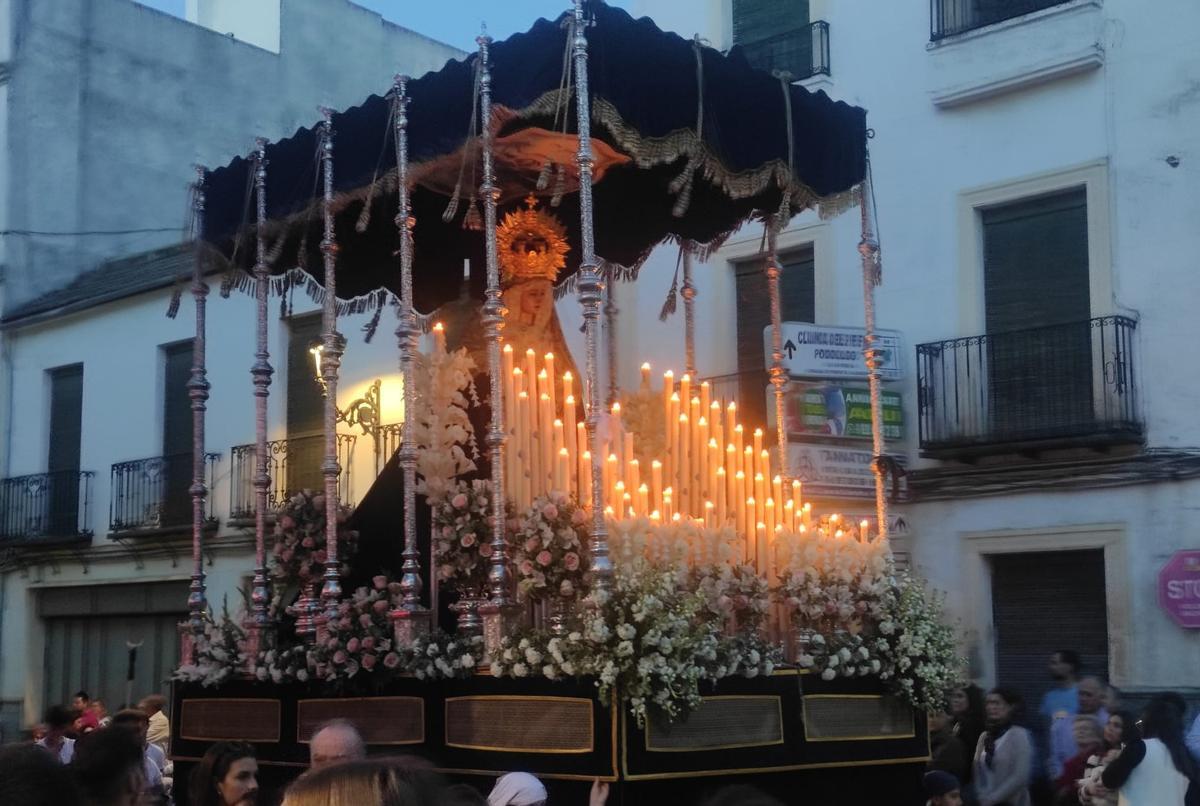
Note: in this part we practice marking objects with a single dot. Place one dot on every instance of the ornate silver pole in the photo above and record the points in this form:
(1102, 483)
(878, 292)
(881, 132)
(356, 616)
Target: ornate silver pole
(499, 608)
(260, 372)
(331, 359)
(198, 392)
(590, 289)
(778, 372)
(868, 250)
(610, 338)
(411, 618)
(689, 314)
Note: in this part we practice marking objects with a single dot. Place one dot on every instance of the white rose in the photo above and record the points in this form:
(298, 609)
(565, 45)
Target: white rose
(467, 661)
(496, 669)
(520, 670)
(828, 674)
(549, 672)
(533, 656)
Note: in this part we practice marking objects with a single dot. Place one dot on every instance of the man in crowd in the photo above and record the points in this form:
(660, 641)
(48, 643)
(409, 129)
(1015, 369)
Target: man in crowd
(1059, 704)
(85, 718)
(942, 788)
(159, 733)
(100, 710)
(57, 722)
(1090, 696)
(154, 761)
(336, 742)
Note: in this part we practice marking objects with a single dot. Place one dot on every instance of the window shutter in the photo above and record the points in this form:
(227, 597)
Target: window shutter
(797, 298)
(774, 34)
(305, 407)
(66, 418)
(1035, 262)
(177, 405)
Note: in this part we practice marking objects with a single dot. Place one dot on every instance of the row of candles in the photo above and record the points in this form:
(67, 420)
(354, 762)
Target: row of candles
(710, 472)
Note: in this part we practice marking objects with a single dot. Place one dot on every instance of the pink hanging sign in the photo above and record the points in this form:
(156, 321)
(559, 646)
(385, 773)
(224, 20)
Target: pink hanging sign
(1179, 589)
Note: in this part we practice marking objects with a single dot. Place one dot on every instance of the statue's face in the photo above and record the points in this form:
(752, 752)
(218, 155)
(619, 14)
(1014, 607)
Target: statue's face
(534, 298)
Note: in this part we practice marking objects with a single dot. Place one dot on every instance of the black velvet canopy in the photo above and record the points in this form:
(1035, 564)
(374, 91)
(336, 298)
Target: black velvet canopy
(645, 102)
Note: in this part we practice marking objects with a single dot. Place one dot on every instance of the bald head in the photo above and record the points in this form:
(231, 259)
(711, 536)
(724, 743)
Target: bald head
(1091, 695)
(336, 742)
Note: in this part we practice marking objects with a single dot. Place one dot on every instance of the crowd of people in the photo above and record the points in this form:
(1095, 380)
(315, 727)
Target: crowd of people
(1081, 749)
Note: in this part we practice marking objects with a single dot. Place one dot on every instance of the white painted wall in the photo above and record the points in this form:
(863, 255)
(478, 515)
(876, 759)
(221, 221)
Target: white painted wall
(256, 23)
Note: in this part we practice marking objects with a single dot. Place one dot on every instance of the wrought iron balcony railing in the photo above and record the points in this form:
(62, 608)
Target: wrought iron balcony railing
(153, 493)
(46, 507)
(1062, 385)
(293, 464)
(803, 52)
(950, 17)
(748, 389)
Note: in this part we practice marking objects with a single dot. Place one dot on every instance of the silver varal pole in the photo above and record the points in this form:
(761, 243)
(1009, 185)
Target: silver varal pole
(331, 355)
(497, 612)
(868, 250)
(412, 618)
(198, 393)
(778, 371)
(590, 289)
(260, 373)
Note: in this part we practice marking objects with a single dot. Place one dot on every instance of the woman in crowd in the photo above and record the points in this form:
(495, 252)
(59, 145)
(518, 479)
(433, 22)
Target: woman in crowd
(947, 751)
(966, 722)
(1119, 722)
(226, 776)
(1002, 756)
(1153, 769)
(354, 783)
(517, 789)
(109, 767)
(1089, 739)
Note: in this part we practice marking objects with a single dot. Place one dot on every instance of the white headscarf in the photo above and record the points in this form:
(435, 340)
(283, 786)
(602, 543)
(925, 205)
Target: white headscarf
(517, 789)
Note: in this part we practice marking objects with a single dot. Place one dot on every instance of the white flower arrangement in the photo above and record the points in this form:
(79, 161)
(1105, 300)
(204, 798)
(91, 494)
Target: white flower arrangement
(917, 648)
(218, 652)
(443, 391)
(733, 592)
(829, 578)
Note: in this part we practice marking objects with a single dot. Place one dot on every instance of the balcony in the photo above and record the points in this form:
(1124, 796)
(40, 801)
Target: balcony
(46, 509)
(749, 389)
(951, 17)
(293, 464)
(1061, 386)
(152, 495)
(803, 51)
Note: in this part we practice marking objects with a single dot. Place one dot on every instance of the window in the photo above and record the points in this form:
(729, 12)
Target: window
(776, 35)
(951, 17)
(797, 304)
(62, 461)
(305, 406)
(177, 433)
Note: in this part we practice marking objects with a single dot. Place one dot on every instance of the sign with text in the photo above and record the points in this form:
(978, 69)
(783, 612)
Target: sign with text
(820, 351)
(833, 471)
(835, 410)
(1179, 589)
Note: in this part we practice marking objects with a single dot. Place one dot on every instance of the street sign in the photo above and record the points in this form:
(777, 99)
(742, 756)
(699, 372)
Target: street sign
(819, 351)
(835, 410)
(1179, 589)
(833, 471)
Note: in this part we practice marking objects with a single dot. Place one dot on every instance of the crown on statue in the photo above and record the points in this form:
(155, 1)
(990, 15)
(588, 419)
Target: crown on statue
(532, 244)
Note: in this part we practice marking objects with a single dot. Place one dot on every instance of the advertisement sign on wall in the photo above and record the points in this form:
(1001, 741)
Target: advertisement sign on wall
(820, 351)
(836, 410)
(1179, 589)
(833, 471)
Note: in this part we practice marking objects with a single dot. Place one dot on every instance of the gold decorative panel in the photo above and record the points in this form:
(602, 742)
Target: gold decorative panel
(856, 717)
(380, 720)
(515, 724)
(721, 723)
(244, 720)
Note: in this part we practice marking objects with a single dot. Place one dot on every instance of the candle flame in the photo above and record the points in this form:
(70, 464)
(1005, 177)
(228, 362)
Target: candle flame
(712, 441)
(548, 357)
(739, 475)
(529, 352)
(437, 326)
(523, 394)
(737, 429)
(683, 418)
(654, 516)
(808, 507)
(674, 397)
(616, 408)
(646, 365)
(668, 374)
(545, 396)
(558, 424)
(567, 375)
(720, 471)
(702, 422)
(542, 375)
(571, 399)
(507, 348)
(655, 464)
(758, 432)
(778, 479)
(686, 377)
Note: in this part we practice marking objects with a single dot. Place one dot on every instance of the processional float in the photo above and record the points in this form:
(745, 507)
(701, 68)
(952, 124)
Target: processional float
(668, 140)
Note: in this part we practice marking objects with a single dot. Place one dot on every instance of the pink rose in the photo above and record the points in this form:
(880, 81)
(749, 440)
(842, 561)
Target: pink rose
(287, 522)
(286, 556)
(344, 608)
(467, 540)
(380, 582)
(391, 660)
(381, 606)
(365, 620)
(526, 567)
(344, 624)
(339, 657)
(549, 512)
(352, 645)
(447, 531)
(740, 602)
(368, 643)
(321, 556)
(544, 557)
(308, 542)
(532, 544)
(578, 516)
(368, 661)
(830, 608)
(332, 643)
(459, 501)
(485, 549)
(571, 561)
